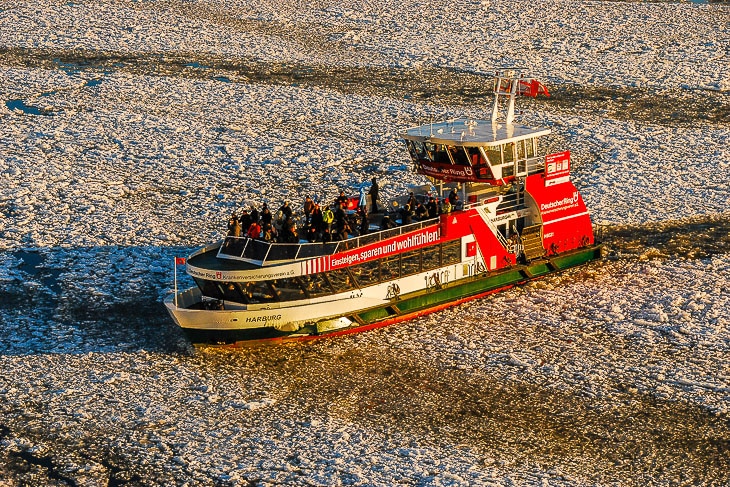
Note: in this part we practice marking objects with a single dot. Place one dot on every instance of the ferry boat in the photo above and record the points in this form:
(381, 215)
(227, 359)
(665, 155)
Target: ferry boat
(520, 217)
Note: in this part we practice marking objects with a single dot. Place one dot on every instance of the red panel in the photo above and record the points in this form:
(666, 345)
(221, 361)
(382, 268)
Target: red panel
(566, 223)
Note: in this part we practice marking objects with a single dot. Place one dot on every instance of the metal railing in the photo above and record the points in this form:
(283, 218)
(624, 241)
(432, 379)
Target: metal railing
(264, 253)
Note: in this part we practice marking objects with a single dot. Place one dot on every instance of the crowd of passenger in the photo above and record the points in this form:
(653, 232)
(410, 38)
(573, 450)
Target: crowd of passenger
(327, 223)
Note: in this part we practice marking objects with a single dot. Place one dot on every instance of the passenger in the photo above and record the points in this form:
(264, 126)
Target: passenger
(316, 227)
(308, 208)
(387, 223)
(374, 197)
(266, 216)
(363, 202)
(340, 223)
(406, 215)
(234, 227)
(341, 200)
(432, 207)
(254, 230)
(328, 217)
(411, 201)
(286, 210)
(453, 197)
(421, 212)
(245, 220)
(362, 215)
(446, 206)
(289, 234)
(254, 214)
(269, 233)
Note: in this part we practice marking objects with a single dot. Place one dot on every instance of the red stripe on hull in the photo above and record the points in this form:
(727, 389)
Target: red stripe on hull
(371, 326)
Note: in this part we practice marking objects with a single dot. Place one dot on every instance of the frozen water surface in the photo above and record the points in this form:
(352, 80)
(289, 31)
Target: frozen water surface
(129, 130)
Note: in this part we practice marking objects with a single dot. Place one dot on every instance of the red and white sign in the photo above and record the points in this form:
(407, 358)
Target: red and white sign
(403, 243)
(447, 172)
(557, 168)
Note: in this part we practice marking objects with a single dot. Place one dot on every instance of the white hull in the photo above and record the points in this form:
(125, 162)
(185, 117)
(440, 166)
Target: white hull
(292, 315)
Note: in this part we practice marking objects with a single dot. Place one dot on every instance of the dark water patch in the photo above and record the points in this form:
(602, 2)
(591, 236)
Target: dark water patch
(680, 108)
(80, 301)
(27, 109)
(52, 471)
(693, 238)
(441, 85)
(93, 82)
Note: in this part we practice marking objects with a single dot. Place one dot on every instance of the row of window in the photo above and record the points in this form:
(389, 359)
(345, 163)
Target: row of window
(336, 281)
(473, 156)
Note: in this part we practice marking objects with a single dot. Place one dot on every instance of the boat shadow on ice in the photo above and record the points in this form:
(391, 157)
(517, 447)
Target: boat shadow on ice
(81, 300)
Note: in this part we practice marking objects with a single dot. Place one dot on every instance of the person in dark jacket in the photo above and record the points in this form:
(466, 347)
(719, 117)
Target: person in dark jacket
(406, 215)
(374, 197)
(266, 216)
(432, 207)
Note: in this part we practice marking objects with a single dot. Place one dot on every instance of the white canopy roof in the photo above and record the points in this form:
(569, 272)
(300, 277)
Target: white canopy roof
(472, 133)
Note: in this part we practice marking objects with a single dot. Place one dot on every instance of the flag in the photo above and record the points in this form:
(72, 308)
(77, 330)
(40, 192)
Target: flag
(180, 260)
(532, 88)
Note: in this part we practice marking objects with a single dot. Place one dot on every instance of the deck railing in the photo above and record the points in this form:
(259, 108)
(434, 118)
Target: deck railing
(264, 253)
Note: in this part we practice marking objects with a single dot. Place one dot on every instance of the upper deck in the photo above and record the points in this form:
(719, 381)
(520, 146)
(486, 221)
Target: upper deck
(463, 132)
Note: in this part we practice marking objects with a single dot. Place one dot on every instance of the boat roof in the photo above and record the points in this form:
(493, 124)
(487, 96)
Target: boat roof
(468, 132)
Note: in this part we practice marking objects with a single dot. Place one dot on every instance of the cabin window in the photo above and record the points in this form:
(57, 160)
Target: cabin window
(475, 156)
(367, 273)
(508, 152)
(431, 257)
(451, 252)
(316, 285)
(412, 150)
(287, 289)
(232, 291)
(494, 155)
(209, 288)
(390, 268)
(259, 292)
(459, 156)
(341, 280)
(520, 150)
(530, 148)
(438, 153)
(411, 263)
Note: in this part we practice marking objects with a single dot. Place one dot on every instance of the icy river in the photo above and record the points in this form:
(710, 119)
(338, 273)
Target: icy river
(130, 130)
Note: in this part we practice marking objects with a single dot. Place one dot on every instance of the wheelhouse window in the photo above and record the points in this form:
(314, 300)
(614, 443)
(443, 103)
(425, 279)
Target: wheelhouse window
(508, 152)
(438, 153)
(521, 149)
(530, 148)
(459, 156)
(494, 155)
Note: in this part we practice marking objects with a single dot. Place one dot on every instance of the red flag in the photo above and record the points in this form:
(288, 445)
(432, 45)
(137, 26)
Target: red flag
(532, 88)
(180, 260)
